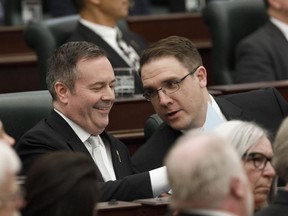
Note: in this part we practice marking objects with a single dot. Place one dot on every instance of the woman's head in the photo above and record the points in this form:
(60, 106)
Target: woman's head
(254, 147)
(58, 181)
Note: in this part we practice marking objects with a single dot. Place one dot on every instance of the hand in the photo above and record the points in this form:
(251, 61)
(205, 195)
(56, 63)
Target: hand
(4, 137)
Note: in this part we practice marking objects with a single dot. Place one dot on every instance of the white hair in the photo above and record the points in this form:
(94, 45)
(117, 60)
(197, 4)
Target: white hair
(9, 161)
(243, 135)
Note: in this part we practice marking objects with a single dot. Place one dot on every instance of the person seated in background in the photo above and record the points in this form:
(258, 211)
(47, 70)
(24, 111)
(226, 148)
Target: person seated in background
(261, 56)
(4, 137)
(279, 206)
(57, 182)
(81, 81)
(11, 200)
(175, 82)
(207, 177)
(61, 8)
(254, 147)
(98, 24)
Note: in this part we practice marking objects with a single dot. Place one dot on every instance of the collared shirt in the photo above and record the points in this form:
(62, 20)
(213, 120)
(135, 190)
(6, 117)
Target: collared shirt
(283, 27)
(108, 34)
(216, 110)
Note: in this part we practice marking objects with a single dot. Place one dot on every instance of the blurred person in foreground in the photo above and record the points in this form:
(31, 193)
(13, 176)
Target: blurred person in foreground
(4, 137)
(81, 81)
(253, 145)
(207, 177)
(11, 199)
(175, 82)
(62, 183)
(279, 206)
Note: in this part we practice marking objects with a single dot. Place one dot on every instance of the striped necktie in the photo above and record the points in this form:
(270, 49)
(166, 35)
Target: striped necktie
(128, 51)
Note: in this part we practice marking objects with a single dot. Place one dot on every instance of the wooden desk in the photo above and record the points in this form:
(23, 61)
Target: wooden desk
(156, 27)
(154, 206)
(281, 86)
(118, 208)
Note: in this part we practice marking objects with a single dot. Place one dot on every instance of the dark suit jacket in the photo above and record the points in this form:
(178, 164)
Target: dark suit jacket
(266, 107)
(55, 134)
(278, 208)
(262, 56)
(82, 33)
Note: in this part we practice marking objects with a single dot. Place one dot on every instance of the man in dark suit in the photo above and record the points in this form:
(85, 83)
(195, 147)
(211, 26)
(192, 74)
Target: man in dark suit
(98, 24)
(262, 56)
(207, 177)
(81, 81)
(279, 206)
(175, 80)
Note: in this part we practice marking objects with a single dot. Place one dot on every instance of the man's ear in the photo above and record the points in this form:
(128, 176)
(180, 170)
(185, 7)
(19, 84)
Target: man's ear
(201, 74)
(62, 92)
(237, 188)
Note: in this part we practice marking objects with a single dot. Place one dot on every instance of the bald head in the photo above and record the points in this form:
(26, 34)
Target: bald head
(201, 168)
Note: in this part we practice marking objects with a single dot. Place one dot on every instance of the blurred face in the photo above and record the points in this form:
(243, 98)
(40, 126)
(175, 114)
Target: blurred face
(89, 104)
(4, 137)
(117, 9)
(279, 9)
(260, 179)
(185, 108)
(10, 197)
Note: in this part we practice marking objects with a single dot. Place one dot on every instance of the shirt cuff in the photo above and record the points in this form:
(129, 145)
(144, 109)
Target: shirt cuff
(159, 181)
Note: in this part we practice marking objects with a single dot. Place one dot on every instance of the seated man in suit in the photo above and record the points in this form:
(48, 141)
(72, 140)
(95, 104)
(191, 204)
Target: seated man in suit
(98, 24)
(279, 206)
(262, 55)
(207, 177)
(81, 82)
(175, 80)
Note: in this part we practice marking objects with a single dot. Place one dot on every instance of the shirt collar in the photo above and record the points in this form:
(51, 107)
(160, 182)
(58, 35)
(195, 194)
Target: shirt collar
(283, 27)
(102, 30)
(80, 132)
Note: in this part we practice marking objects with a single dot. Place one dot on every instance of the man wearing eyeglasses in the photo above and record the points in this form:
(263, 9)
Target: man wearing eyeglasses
(175, 82)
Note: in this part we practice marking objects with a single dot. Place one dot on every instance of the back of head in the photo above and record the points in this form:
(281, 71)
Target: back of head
(241, 134)
(179, 47)
(57, 182)
(200, 170)
(280, 159)
(62, 64)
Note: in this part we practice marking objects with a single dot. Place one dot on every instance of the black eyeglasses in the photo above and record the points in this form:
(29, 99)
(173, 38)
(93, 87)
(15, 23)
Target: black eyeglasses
(169, 87)
(259, 160)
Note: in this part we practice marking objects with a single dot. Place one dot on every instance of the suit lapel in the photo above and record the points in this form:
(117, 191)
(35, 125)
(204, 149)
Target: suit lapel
(56, 122)
(229, 110)
(92, 37)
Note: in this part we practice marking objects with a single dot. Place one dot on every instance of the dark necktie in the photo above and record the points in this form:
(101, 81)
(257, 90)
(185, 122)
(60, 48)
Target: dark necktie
(128, 51)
